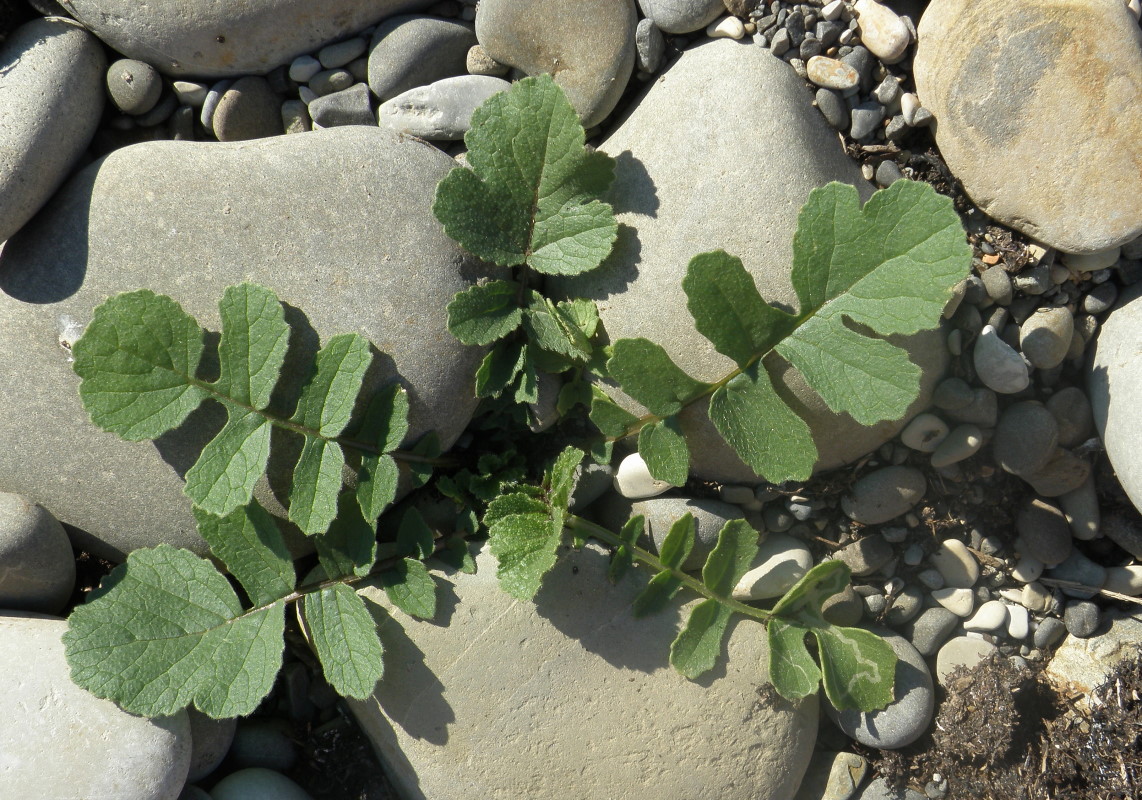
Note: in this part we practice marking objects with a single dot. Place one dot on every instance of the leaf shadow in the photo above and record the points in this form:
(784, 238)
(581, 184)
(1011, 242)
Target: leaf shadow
(633, 190)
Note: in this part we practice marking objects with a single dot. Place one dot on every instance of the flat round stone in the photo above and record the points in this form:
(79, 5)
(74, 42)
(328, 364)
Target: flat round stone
(831, 73)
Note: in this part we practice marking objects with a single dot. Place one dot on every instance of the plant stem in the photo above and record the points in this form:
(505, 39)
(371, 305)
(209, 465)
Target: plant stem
(587, 528)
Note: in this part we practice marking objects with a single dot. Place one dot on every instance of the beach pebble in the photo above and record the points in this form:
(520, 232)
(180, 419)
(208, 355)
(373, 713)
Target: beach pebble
(1046, 336)
(60, 741)
(210, 739)
(682, 16)
(880, 790)
(1086, 663)
(959, 601)
(929, 630)
(1092, 261)
(952, 394)
(1100, 298)
(962, 651)
(905, 606)
(295, 116)
(1044, 531)
(1064, 472)
(710, 516)
(649, 45)
(329, 81)
(1049, 632)
(1081, 619)
(997, 283)
(888, 173)
(831, 73)
(303, 68)
(442, 110)
(1078, 568)
(134, 86)
(1124, 532)
(989, 617)
(845, 608)
(832, 776)
(884, 494)
(249, 109)
(910, 713)
(1018, 622)
(990, 119)
(53, 87)
(865, 119)
(210, 103)
(781, 561)
(1072, 412)
(924, 433)
(1035, 597)
(341, 53)
(726, 28)
(352, 106)
(1081, 508)
(882, 31)
(1027, 568)
(258, 783)
(37, 566)
(962, 442)
(834, 108)
(1025, 438)
(190, 93)
(998, 365)
(478, 62)
(1124, 580)
(413, 50)
(633, 479)
(983, 410)
(591, 482)
(955, 563)
(591, 41)
(866, 555)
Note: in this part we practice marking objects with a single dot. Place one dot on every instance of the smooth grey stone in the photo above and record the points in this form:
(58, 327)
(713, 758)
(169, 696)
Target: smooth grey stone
(330, 81)
(37, 566)
(906, 606)
(962, 442)
(263, 743)
(1034, 281)
(884, 494)
(415, 50)
(682, 16)
(295, 116)
(909, 714)
(553, 655)
(210, 104)
(1072, 412)
(845, 608)
(1100, 298)
(952, 394)
(52, 84)
(999, 367)
(1025, 438)
(61, 741)
(989, 128)
(1082, 510)
(865, 119)
(160, 113)
(1124, 532)
(862, 61)
(1080, 569)
(880, 790)
(587, 45)
(1044, 531)
(134, 87)
(931, 629)
(780, 562)
(714, 89)
(591, 482)
(190, 93)
(206, 39)
(833, 106)
(779, 44)
(649, 45)
(997, 282)
(478, 62)
(1049, 632)
(204, 216)
(442, 110)
(982, 411)
(866, 555)
(1046, 336)
(888, 173)
(352, 106)
(1114, 382)
(1081, 619)
(257, 783)
(182, 124)
(962, 651)
(210, 741)
(249, 109)
(1063, 473)
(341, 53)
(710, 516)
(303, 68)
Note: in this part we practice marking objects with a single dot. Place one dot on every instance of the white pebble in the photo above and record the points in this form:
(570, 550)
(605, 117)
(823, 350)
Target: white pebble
(1027, 569)
(991, 616)
(781, 561)
(190, 93)
(956, 563)
(1018, 622)
(1124, 580)
(832, 11)
(1135, 8)
(302, 68)
(1035, 597)
(962, 442)
(634, 481)
(998, 365)
(909, 105)
(959, 601)
(924, 433)
(726, 28)
(882, 31)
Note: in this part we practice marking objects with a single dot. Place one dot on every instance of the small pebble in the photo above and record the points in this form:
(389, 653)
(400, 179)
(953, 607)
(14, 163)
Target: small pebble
(1027, 569)
(1077, 568)
(1025, 438)
(1100, 298)
(962, 442)
(887, 173)
(884, 494)
(295, 117)
(924, 433)
(931, 629)
(883, 32)
(649, 46)
(1072, 412)
(1091, 262)
(1081, 619)
(959, 601)
(303, 68)
(962, 651)
(726, 28)
(352, 106)
(831, 74)
(865, 118)
(1018, 622)
(1124, 580)
(1046, 336)
(206, 115)
(989, 617)
(781, 561)
(478, 62)
(866, 555)
(905, 606)
(998, 365)
(1034, 281)
(190, 93)
(913, 554)
(1035, 597)
(955, 562)
(1044, 531)
(249, 109)
(330, 81)
(997, 283)
(931, 578)
(134, 86)
(633, 479)
(1064, 472)
(951, 394)
(1049, 632)
(1081, 508)
(339, 54)
(844, 608)
(833, 107)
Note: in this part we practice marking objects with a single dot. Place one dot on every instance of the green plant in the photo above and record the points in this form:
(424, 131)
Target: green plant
(168, 629)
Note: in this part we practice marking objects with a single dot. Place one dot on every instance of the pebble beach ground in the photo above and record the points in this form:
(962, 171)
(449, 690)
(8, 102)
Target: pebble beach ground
(999, 522)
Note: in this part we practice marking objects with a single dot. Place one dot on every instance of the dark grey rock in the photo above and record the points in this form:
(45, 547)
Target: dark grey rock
(862, 61)
(1079, 569)
(865, 119)
(43, 130)
(330, 81)
(682, 16)
(352, 106)
(38, 572)
(1025, 438)
(997, 281)
(952, 394)
(208, 39)
(887, 173)
(649, 45)
(592, 41)
(1044, 531)
(205, 216)
(982, 411)
(413, 50)
(1049, 632)
(263, 743)
(884, 494)
(910, 713)
(866, 555)
(1072, 412)
(905, 606)
(1046, 336)
(1100, 298)
(1124, 532)
(249, 109)
(134, 86)
(1082, 618)
(931, 629)
(834, 107)
(844, 608)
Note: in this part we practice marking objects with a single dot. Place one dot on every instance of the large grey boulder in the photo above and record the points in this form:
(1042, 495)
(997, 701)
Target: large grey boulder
(51, 82)
(1036, 107)
(571, 696)
(211, 39)
(337, 222)
(1114, 384)
(721, 153)
(61, 742)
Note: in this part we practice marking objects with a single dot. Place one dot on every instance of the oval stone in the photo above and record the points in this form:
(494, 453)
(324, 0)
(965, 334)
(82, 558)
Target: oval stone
(362, 253)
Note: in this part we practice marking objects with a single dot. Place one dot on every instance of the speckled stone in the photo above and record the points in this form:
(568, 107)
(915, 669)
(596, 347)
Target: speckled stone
(413, 50)
(884, 494)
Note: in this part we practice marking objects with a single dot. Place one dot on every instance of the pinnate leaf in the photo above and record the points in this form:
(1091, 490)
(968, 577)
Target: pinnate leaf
(410, 588)
(663, 448)
(166, 631)
(344, 635)
(483, 314)
(645, 372)
(675, 550)
(349, 547)
(623, 558)
(531, 193)
(253, 345)
(247, 541)
(223, 477)
(137, 361)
